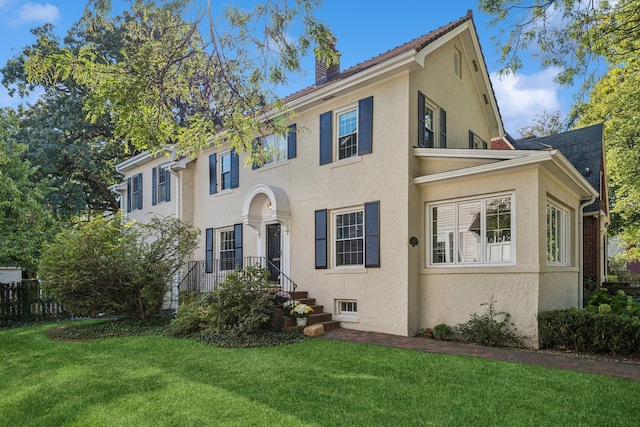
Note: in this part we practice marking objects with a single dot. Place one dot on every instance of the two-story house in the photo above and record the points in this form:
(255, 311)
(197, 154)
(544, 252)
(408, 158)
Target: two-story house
(384, 201)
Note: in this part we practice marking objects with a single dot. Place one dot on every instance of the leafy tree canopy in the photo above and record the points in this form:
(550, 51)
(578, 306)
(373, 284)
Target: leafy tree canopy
(183, 77)
(25, 223)
(568, 34)
(544, 124)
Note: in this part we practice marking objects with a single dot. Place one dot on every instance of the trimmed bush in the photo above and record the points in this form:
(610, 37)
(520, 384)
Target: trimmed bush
(589, 332)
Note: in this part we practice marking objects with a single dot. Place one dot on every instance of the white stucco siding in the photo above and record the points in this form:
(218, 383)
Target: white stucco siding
(381, 293)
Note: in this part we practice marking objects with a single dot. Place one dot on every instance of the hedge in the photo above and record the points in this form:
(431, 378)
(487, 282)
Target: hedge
(586, 332)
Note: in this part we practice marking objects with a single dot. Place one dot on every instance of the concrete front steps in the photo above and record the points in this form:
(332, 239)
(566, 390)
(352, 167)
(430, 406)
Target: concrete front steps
(317, 317)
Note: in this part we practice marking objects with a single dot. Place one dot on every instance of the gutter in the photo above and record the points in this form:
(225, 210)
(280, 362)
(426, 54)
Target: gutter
(581, 250)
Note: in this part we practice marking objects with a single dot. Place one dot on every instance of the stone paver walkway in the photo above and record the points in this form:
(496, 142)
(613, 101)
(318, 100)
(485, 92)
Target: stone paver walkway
(614, 368)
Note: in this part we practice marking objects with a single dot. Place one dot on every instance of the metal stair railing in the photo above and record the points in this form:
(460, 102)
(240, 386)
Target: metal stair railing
(205, 276)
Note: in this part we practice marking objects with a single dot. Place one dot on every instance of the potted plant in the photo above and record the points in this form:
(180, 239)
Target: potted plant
(289, 305)
(280, 298)
(301, 312)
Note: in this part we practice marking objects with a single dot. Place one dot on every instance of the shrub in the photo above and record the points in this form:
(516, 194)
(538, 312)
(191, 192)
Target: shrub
(442, 332)
(492, 328)
(589, 332)
(241, 304)
(105, 265)
(619, 303)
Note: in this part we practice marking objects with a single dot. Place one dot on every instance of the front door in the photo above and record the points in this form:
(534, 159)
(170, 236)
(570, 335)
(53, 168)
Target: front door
(274, 251)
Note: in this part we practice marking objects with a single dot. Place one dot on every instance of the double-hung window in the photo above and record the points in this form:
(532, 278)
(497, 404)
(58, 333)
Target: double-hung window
(226, 254)
(134, 193)
(224, 171)
(432, 124)
(472, 231)
(161, 178)
(349, 242)
(274, 148)
(347, 134)
(475, 142)
(557, 235)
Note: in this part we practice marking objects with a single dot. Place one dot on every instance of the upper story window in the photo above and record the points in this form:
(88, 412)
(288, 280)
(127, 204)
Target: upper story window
(432, 124)
(474, 231)
(475, 142)
(134, 192)
(161, 178)
(274, 148)
(457, 62)
(557, 235)
(224, 171)
(352, 134)
(347, 134)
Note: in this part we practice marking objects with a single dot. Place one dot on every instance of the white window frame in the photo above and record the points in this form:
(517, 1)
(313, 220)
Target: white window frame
(136, 196)
(222, 248)
(274, 149)
(346, 309)
(343, 111)
(435, 122)
(453, 237)
(161, 191)
(334, 237)
(221, 172)
(558, 253)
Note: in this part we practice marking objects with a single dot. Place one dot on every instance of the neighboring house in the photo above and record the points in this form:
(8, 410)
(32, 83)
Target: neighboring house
(10, 274)
(384, 202)
(584, 148)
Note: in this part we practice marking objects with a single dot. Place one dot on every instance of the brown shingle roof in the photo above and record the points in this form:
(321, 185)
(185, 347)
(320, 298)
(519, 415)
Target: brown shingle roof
(415, 44)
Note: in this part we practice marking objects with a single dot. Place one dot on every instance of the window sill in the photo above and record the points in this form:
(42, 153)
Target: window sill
(346, 318)
(270, 166)
(223, 192)
(347, 270)
(347, 161)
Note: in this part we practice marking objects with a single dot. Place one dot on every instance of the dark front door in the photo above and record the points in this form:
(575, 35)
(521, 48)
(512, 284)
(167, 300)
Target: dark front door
(273, 251)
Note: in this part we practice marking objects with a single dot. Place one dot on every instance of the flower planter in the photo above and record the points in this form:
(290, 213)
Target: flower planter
(301, 321)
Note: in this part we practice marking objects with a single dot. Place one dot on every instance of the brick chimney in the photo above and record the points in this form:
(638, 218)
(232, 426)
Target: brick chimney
(324, 73)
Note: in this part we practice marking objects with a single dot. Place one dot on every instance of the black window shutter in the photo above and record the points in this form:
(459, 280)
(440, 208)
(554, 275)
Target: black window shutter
(235, 169)
(372, 234)
(167, 186)
(321, 239)
(470, 139)
(208, 251)
(292, 136)
(154, 185)
(421, 139)
(213, 185)
(140, 193)
(325, 138)
(254, 151)
(237, 245)
(365, 125)
(128, 194)
(443, 128)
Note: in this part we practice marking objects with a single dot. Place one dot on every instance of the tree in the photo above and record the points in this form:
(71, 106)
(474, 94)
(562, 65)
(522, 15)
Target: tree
(183, 78)
(615, 101)
(76, 156)
(544, 124)
(25, 223)
(105, 265)
(569, 34)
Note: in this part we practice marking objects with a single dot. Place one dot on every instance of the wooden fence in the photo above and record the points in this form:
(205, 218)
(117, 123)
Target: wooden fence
(23, 301)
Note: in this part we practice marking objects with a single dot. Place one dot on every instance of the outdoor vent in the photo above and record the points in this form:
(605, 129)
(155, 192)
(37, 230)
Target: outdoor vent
(587, 171)
(485, 98)
(475, 65)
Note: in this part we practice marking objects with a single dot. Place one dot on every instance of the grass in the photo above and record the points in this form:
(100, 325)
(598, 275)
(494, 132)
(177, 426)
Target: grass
(159, 381)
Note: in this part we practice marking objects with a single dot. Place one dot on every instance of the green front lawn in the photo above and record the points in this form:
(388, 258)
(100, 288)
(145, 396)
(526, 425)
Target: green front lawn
(159, 381)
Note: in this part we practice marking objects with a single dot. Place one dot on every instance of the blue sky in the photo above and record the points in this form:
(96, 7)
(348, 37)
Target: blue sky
(363, 29)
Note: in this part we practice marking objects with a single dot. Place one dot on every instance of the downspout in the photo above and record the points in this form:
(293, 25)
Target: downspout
(581, 250)
(172, 169)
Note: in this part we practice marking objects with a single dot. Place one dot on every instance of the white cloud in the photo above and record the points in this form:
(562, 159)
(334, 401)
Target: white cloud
(522, 96)
(34, 13)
